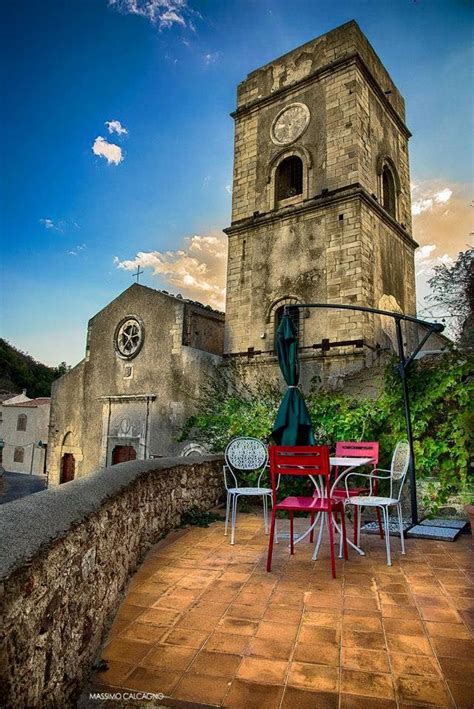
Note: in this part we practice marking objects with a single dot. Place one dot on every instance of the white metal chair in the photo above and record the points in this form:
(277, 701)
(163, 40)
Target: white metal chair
(245, 454)
(396, 476)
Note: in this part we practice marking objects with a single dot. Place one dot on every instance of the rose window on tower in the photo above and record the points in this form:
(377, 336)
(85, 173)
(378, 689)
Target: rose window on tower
(129, 337)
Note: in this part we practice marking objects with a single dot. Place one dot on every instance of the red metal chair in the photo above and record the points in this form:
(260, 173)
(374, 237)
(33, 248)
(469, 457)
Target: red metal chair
(304, 461)
(358, 449)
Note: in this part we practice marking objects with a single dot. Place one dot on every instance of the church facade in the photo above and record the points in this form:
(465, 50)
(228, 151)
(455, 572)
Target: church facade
(148, 355)
(321, 213)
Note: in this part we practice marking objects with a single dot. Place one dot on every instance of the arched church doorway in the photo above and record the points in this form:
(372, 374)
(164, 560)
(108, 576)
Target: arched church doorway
(68, 468)
(121, 454)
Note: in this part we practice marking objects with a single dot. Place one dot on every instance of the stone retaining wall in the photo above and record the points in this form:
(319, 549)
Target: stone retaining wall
(66, 555)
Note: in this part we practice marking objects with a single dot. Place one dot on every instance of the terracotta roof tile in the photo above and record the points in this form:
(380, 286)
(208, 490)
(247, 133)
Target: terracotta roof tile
(33, 403)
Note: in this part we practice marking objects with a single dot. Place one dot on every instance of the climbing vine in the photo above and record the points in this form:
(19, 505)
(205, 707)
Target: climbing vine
(441, 395)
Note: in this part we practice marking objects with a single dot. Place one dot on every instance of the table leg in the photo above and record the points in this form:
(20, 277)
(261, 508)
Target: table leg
(354, 546)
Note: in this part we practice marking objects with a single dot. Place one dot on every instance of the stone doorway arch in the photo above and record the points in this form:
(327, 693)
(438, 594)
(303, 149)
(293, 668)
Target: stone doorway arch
(123, 453)
(68, 468)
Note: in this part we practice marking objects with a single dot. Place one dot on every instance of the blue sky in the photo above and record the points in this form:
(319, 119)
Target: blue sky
(69, 66)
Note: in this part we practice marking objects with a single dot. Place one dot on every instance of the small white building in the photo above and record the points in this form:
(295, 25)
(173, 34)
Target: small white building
(24, 434)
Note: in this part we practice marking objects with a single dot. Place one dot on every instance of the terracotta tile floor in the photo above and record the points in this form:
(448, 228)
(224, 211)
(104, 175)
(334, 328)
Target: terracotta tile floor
(205, 624)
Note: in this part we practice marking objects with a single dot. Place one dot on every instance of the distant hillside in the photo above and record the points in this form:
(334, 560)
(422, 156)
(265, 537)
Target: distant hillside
(19, 371)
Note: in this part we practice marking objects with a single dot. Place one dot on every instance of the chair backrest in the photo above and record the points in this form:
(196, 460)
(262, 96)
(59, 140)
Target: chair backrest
(300, 461)
(399, 468)
(246, 454)
(358, 449)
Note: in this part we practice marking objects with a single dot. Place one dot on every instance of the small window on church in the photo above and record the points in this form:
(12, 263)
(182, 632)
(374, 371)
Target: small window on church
(128, 371)
(18, 455)
(388, 191)
(21, 423)
(294, 314)
(289, 178)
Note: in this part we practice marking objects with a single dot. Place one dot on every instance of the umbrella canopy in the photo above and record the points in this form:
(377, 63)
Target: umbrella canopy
(292, 425)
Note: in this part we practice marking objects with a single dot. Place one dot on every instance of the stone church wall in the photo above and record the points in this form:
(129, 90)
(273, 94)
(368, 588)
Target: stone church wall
(203, 329)
(67, 556)
(107, 401)
(66, 423)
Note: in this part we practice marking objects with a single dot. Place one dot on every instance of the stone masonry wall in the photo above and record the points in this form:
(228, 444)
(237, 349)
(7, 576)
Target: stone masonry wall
(335, 243)
(66, 555)
(97, 406)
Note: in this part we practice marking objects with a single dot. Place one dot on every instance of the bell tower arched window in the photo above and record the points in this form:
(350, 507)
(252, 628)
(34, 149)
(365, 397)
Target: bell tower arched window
(294, 315)
(389, 193)
(289, 178)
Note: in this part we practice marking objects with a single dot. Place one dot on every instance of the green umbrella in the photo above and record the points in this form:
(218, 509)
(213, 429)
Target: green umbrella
(292, 425)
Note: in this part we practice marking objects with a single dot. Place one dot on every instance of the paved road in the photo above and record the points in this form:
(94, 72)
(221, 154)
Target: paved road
(16, 485)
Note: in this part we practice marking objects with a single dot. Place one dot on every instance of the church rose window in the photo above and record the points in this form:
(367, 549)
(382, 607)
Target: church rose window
(289, 178)
(129, 335)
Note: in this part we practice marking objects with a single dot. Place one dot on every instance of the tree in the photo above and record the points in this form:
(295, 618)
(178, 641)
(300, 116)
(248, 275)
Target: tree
(61, 369)
(18, 370)
(453, 290)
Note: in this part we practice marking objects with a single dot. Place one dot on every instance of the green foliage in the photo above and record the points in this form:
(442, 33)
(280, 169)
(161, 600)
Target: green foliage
(441, 392)
(195, 517)
(20, 371)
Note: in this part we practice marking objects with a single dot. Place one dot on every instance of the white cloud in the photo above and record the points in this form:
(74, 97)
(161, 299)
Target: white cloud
(442, 220)
(421, 205)
(60, 225)
(47, 223)
(211, 58)
(442, 215)
(423, 258)
(164, 13)
(443, 196)
(116, 127)
(228, 189)
(197, 270)
(111, 152)
(77, 250)
(424, 198)
(171, 17)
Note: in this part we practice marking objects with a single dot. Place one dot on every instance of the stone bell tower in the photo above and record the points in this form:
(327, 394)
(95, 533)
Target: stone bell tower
(321, 202)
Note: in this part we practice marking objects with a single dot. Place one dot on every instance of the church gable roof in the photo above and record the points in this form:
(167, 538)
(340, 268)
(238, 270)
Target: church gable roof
(159, 294)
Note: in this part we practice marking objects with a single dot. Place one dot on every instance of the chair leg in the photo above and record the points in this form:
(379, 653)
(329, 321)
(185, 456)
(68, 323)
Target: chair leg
(379, 520)
(292, 538)
(344, 535)
(271, 507)
(227, 510)
(359, 520)
(331, 544)
(265, 514)
(356, 524)
(341, 540)
(234, 518)
(270, 541)
(311, 535)
(400, 527)
(387, 535)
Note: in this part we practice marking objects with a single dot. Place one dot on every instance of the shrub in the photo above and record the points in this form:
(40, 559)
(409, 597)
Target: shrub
(441, 392)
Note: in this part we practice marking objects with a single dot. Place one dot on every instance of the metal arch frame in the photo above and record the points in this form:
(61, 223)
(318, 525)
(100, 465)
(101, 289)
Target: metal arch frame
(403, 364)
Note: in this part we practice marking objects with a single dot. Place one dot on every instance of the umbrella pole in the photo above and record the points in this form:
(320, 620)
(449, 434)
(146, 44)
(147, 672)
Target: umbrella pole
(406, 406)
